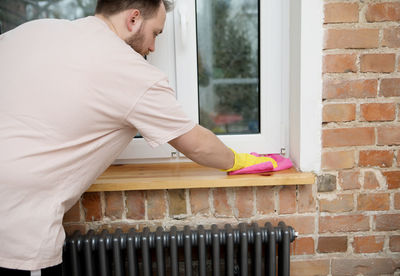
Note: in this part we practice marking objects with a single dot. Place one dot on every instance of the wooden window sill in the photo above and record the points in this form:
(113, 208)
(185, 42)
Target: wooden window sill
(188, 175)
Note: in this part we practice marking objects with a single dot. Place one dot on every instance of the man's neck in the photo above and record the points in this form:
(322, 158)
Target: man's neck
(109, 23)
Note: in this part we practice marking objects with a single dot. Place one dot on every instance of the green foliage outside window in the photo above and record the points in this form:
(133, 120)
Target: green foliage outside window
(231, 45)
(233, 58)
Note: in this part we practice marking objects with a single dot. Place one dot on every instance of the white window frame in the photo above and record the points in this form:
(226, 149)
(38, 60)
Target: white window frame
(299, 106)
(183, 76)
(138, 151)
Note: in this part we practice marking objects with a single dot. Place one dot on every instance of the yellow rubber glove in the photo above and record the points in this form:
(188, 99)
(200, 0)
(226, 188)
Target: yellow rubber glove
(243, 160)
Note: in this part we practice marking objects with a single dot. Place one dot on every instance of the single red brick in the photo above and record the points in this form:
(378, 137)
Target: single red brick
(364, 266)
(397, 201)
(287, 200)
(306, 202)
(303, 246)
(92, 206)
(392, 179)
(338, 113)
(376, 158)
(199, 201)
(332, 244)
(265, 200)
(387, 11)
(73, 214)
(345, 89)
(221, 204)
(378, 111)
(303, 224)
(341, 12)
(156, 205)
(377, 63)
(335, 160)
(370, 180)
(387, 222)
(368, 244)
(342, 203)
(339, 63)
(244, 202)
(373, 202)
(351, 39)
(390, 87)
(394, 243)
(177, 202)
(342, 137)
(349, 180)
(388, 135)
(391, 37)
(309, 267)
(343, 223)
(398, 157)
(136, 204)
(114, 205)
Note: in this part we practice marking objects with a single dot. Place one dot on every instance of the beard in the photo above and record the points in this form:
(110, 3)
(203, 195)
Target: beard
(136, 42)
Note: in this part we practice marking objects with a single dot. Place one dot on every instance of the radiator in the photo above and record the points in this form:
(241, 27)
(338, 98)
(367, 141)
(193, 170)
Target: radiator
(243, 250)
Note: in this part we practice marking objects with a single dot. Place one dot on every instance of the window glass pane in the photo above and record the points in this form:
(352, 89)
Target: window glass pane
(228, 65)
(16, 12)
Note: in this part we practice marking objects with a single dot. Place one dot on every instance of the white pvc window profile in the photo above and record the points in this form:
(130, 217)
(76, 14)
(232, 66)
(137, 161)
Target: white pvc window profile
(176, 54)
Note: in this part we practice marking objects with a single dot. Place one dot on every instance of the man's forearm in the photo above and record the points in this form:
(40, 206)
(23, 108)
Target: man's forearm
(204, 148)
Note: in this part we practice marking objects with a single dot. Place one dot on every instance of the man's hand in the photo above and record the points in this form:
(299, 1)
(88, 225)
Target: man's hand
(243, 160)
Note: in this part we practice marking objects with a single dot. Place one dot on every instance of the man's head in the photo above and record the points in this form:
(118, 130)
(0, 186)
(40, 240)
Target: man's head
(137, 22)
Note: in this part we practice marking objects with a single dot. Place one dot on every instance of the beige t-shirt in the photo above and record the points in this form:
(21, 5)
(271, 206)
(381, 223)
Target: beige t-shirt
(72, 96)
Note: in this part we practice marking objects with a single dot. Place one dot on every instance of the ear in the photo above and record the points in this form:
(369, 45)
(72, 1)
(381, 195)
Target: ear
(133, 19)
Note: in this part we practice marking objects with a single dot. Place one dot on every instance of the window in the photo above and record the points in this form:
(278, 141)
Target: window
(236, 90)
(227, 60)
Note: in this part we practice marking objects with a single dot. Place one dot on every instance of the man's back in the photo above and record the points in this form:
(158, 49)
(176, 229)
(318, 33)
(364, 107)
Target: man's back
(56, 89)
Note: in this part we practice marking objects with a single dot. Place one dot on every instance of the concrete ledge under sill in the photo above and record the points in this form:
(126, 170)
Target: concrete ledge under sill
(188, 175)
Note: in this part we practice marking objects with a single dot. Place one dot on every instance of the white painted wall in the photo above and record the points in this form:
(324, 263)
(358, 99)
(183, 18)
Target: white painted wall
(306, 35)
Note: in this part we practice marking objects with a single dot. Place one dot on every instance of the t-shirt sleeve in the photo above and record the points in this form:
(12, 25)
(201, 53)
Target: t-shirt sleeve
(158, 116)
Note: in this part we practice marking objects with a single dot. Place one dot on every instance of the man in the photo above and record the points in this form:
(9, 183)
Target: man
(73, 94)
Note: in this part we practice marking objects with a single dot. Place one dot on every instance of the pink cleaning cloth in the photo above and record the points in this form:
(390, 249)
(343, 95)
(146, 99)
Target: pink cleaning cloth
(283, 164)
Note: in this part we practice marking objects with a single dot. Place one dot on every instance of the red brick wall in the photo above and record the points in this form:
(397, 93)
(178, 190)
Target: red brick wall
(349, 223)
(359, 218)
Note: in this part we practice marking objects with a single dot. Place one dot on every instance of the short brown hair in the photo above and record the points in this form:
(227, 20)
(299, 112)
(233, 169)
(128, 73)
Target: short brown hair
(147, 7)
